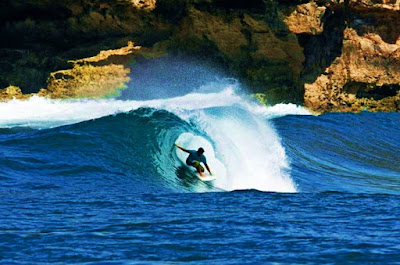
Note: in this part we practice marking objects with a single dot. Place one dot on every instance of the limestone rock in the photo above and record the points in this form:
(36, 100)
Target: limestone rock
(144, 4)
(365, 75)
(249, 45)
(203, 26)
(116, 56)
(306, 19)
(374, 4)
(94, 77)
(87, 81)
(336, 55)
(12, 92)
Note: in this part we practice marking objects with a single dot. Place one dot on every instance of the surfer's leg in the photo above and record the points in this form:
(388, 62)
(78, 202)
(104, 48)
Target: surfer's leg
(199, 168)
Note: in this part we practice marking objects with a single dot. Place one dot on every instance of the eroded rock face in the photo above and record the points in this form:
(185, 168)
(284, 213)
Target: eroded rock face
(366, 73)
(42, 38)
(93, 77)
(249, 38)
(12, 92)
(203, 26)
(306, 19)
(250, 47)
(337, 55)
(86, 81)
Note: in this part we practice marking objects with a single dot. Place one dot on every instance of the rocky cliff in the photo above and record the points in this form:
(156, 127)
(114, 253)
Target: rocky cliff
(364, 74)
(338, 55)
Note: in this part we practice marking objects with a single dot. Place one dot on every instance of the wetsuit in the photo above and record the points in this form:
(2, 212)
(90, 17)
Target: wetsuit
(194, 157)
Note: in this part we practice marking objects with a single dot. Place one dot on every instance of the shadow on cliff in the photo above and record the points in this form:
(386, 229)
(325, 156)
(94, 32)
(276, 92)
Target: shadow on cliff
(235, 40)
(40, 36)
(321, 50)
(39, 39)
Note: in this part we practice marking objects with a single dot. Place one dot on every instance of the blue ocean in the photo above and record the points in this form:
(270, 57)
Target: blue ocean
(91, 181)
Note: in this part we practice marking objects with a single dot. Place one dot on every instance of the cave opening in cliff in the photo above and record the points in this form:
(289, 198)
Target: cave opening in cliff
(239, 4)
(371, 91)
(385, 26)
(15, 11)
(321, 50)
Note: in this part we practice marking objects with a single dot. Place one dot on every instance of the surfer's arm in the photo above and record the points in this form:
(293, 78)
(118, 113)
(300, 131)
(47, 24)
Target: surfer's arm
(209, 171)
(183, 149)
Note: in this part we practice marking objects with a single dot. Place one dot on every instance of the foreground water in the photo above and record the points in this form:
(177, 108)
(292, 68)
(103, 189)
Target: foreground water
(51, 226)
(99, 182)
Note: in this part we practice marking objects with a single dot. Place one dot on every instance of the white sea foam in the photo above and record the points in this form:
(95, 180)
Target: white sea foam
(243, 152)
(38, 112)
(278, 110)
(243, 149)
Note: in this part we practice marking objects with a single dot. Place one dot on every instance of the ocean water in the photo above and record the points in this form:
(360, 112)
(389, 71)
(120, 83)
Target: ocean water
(100, 182)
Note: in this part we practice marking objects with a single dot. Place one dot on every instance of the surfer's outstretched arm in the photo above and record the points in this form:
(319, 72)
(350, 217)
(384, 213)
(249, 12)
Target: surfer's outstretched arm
(183, 149)
(209, 171)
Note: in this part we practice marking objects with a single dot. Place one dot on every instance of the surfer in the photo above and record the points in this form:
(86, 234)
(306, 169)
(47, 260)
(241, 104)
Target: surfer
(195, 158)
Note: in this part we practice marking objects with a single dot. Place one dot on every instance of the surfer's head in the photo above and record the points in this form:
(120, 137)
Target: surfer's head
(200, 151)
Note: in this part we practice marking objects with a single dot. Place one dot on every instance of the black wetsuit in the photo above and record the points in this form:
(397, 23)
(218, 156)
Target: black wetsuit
(194, 156)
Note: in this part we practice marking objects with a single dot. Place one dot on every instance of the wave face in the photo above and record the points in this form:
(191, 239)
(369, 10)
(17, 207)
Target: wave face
(128, 142)
(117, 144)
(87, 144)
(343, 152)
(94, 181)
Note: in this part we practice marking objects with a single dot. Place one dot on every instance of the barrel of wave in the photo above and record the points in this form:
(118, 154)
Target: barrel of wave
(193, 142)
(235, 168)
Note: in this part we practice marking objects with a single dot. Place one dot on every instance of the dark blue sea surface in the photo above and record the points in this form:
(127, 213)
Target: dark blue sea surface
(248, 227)
(343, 152)
(114, 190)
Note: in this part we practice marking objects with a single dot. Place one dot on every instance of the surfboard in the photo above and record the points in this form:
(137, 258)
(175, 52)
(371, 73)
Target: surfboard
(206, 177)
